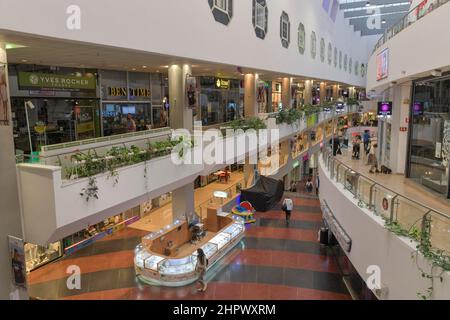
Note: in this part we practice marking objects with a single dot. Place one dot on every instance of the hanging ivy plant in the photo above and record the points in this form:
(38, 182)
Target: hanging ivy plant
(91, 191)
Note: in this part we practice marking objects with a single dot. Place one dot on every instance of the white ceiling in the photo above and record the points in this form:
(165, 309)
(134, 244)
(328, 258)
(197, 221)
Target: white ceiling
(43, 51)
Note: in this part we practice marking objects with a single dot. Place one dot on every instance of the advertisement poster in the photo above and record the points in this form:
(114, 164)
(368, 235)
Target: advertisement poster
(191, 92)
(4, 115)
(17, 254)
(383, 65)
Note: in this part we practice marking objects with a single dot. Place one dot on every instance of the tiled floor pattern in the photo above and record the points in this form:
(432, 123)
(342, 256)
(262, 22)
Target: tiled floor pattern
(272, 262)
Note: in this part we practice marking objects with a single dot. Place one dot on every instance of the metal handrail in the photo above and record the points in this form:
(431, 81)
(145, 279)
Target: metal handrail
(401, 25)
(444, 215)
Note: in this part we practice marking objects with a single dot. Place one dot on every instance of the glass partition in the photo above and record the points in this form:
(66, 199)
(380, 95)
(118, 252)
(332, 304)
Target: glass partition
(402, 212)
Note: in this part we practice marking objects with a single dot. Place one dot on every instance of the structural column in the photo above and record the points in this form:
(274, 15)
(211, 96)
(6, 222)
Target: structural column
(180, 115)
(286, 93)
(335, 92)
(250, 102)
(399, 133)
(11, 224)
(183, 201)
(307, 95)
(323, 92)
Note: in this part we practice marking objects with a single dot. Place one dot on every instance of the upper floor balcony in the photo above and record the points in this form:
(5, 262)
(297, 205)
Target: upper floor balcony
(79, 184)
(393, 227)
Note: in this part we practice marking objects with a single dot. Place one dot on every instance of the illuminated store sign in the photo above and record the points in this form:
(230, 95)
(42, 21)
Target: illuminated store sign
(134, 92)
(34, 80)
(222, 83)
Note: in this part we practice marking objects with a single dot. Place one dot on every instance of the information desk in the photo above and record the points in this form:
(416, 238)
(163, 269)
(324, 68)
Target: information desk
(168, 258)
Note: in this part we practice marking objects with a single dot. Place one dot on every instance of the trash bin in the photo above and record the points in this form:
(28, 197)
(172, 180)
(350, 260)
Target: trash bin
(323, 236)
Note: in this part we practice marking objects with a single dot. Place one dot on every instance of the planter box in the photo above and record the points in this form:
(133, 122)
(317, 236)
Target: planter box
(53, 209)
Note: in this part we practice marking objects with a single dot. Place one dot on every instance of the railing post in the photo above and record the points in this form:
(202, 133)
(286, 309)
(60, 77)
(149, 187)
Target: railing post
(392, 209)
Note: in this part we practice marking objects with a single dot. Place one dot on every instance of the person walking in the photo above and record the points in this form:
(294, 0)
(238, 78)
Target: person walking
(288, 206)
(202, 264)
(131, 124)
(373, 161)
(317, 184)
(309, 186)
(366, 139)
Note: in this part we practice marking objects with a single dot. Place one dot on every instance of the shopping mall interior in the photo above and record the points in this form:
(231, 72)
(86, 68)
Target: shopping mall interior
(225, 150)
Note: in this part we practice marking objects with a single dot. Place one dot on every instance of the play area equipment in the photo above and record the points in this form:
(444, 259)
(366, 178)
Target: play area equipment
(245, 210)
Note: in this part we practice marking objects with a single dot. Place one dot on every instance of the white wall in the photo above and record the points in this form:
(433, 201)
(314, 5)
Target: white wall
(418, 49)
(372, 245)
(188, 29)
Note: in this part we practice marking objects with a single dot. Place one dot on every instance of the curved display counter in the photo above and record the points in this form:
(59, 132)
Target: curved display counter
(160, 261)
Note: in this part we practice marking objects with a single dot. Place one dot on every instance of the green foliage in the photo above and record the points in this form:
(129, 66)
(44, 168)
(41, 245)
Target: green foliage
(91, 191)
(248, 124)
(311, 109)
(289, 116)
(439, 259)
(352, 102)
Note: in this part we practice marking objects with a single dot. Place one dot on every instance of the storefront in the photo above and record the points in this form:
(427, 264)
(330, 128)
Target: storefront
(69, 104)
(64, 105)
(277, 103)
(221, 100)
(132, 94)
(428, 161)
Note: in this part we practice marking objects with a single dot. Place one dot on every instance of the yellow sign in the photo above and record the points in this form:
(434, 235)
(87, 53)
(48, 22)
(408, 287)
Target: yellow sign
(85, 127)
(222, 83)
(134, 92)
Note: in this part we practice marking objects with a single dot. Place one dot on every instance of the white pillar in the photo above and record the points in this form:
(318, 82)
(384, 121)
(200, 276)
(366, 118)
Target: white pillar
(11, 224)
(183, 201)
(250, 105)
(180, 115)
(399, 139)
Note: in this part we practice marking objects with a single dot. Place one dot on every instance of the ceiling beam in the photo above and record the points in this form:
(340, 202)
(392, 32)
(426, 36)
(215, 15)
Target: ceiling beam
(365, 12)
(360, 4)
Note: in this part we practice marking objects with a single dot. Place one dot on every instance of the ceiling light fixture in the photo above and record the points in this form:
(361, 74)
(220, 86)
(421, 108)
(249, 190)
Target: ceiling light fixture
(368, 4)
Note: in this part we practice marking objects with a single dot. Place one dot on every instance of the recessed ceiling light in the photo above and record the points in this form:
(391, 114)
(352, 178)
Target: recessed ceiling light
(24, 60)
(368, 4)
(383, 21)
(13, 46)
(145, 67)
(134, 69)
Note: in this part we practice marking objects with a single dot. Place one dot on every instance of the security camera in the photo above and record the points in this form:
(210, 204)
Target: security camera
(30, 105)
(436, 73)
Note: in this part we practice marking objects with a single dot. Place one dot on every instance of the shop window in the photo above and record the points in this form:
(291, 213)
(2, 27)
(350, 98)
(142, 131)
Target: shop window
(222, 10)
(313, 45)
(285, 30)
(430, 135)
(260, 18)
(301, 38)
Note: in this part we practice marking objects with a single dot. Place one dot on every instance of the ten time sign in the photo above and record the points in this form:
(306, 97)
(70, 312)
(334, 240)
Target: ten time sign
(34, 80)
